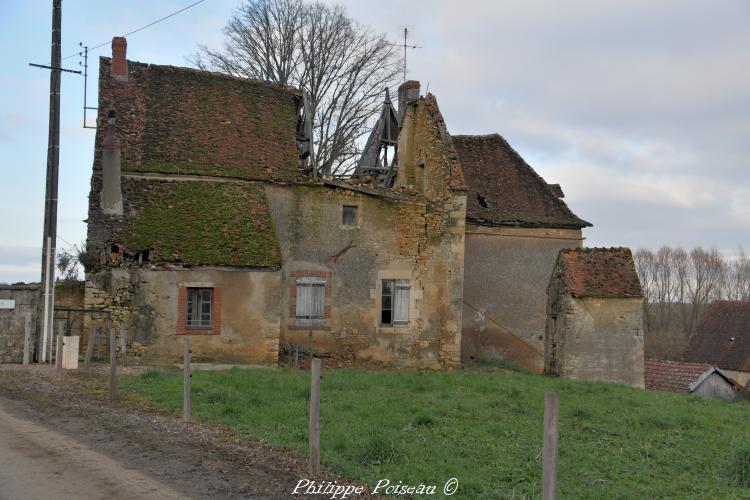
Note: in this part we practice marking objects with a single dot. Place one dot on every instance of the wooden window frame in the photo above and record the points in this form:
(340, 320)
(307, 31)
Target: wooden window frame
(182, 312)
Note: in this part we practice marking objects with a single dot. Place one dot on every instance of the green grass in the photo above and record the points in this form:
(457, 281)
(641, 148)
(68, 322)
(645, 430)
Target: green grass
(484, 429)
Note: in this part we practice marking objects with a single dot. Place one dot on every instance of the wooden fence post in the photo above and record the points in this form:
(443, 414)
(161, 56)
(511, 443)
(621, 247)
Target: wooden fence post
(314, 435)
(551, 440)
(90, 346)
(186, 381)
(124, 343)
(59, 348)
(27, 339)
(112, 360)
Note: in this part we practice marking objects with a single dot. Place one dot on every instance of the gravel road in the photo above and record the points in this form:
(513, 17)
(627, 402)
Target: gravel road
(64, 438)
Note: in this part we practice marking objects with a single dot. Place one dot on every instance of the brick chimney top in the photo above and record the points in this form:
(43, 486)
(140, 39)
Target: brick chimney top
(119, 62)
(407, 92)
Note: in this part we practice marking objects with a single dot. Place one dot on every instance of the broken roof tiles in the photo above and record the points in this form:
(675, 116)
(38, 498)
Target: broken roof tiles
(505, 191)
(601, 272)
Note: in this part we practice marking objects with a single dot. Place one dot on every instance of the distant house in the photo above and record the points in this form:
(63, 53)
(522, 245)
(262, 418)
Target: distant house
(694, 378)
(723, 339)
(516, 224)
(595, 317)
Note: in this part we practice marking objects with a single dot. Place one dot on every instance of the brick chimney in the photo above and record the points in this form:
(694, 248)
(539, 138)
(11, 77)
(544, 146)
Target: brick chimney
(408, 92)
(111, 194)
(119, 62)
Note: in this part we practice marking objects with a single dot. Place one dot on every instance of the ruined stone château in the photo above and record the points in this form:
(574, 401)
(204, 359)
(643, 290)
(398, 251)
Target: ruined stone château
(205, 218)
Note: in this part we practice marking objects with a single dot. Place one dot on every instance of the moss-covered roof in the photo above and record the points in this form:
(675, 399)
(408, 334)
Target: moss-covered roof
(199, 223)
(185, 121)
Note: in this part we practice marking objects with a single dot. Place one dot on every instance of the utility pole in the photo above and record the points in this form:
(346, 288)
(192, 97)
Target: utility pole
(49, 238)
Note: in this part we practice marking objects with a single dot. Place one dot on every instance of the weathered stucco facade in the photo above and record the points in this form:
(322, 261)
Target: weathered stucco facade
(516, 224)
(595, 317)
(506, 275)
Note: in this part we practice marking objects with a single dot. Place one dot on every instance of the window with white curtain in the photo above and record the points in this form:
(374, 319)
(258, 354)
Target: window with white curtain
(395, 302)
(311, 298)
(199, 307)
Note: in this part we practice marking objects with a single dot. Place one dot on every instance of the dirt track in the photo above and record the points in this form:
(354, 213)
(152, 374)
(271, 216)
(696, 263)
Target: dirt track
(62, 441)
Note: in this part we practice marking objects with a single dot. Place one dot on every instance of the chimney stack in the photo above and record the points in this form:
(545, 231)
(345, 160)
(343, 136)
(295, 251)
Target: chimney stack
(111, 194)
(119, 62)
(408, 92)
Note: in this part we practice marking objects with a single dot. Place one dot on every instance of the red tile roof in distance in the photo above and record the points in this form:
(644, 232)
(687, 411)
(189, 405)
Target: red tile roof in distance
(185, 121)
(601, 272)
(672, 376)
(723, 336)
(505, 191)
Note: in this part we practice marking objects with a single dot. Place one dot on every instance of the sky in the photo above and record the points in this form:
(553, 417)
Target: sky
(639, 109)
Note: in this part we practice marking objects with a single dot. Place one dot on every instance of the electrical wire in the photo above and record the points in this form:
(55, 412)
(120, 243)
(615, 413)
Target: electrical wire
(139, 29)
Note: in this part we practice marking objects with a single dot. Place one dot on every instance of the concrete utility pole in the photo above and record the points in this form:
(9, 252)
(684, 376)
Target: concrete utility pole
(50, 203)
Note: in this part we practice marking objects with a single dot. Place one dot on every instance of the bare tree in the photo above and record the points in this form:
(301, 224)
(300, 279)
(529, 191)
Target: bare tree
(69, 262)
(342, 65)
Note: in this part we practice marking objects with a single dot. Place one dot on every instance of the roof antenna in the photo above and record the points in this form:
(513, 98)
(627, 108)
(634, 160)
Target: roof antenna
(85, 64)
(406, 46)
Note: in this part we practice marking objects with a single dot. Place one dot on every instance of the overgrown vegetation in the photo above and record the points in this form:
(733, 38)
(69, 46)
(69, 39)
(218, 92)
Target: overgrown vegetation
(202, 223)
(484, 428)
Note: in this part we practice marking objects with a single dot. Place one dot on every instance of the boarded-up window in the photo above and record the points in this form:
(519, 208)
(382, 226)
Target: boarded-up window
(395, 302)
(311, 294)
(199, 307)
(349, 217)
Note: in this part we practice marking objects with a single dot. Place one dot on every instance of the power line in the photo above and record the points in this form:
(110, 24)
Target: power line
(139, 29)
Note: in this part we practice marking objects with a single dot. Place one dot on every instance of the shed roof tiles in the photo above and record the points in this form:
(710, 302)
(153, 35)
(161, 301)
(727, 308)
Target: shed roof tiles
(505, 191)
(601, 272)
(672, 376)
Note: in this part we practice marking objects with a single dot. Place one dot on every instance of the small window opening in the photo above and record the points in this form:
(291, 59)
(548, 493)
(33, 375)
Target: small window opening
(199, 307)
(349, 216)
(310, 298)
(395, 302)
(482, 201)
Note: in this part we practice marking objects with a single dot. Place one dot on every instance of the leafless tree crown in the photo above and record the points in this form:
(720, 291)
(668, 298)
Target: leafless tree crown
(342, 65)
(678, 284)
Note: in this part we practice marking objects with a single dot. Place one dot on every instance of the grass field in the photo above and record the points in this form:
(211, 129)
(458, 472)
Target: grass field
(484, 428)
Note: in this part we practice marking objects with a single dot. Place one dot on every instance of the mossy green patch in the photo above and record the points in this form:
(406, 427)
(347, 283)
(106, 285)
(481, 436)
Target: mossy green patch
(199, 223)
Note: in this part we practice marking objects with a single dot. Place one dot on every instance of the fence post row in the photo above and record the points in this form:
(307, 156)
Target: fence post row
(551, 441)
(314, 433)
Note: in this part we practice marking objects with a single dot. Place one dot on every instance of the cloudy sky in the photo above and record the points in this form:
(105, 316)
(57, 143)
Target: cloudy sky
(639, 109)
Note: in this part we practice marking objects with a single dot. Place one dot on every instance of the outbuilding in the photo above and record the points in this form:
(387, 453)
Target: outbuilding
(595, 317)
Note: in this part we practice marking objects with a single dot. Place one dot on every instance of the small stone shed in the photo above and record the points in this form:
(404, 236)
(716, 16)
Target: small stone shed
(595, 317)
(695, 378)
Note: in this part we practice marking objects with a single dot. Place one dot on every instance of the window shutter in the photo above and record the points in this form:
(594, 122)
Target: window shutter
(310, 297)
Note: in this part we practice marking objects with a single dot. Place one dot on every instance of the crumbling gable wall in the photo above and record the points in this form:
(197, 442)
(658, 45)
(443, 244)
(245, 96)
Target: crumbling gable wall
(406, 233)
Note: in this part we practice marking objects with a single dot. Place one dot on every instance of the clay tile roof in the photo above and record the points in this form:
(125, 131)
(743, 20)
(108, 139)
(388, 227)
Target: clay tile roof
(723, 336)
(185, 121)
(600, 272)
(505, 191)
(672, 376)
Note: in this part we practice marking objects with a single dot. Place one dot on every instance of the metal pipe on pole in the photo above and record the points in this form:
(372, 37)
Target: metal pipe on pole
(49, 239)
